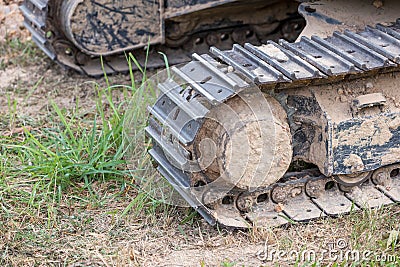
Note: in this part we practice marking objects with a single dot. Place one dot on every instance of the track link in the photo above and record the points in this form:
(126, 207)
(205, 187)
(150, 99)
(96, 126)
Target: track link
(210, 81)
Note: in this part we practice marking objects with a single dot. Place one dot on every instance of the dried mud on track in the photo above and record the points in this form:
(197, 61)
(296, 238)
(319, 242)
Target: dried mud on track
(90, 234)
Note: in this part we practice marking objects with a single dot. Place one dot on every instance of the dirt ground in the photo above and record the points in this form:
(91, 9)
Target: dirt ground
(96, 236)
(11, 21)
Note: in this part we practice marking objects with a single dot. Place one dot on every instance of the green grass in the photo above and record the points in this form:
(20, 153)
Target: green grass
(16, 53)
(56, 168)
(67, 153)
(61, 157)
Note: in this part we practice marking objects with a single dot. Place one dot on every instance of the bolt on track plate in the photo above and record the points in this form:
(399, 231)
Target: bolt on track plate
(368, 196)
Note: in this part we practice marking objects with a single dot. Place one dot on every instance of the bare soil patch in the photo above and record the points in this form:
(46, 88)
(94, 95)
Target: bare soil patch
(11, 21)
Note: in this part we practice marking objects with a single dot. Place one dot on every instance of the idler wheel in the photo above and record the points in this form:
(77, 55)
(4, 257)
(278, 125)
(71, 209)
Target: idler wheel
(251, 141)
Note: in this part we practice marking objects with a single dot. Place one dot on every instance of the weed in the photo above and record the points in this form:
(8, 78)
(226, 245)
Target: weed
(69, 154)
(227, 263)
(16, 53)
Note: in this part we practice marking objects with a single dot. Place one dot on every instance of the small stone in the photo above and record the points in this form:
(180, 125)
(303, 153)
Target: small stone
(378, 3)
(231, 69)
(343, 98)
(369, 85)
(295, 192)
(274, 52)
(279, 207)
(340, 91)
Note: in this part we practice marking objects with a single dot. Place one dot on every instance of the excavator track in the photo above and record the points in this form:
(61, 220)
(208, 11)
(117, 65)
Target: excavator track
(280, 70)
(52, 25)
